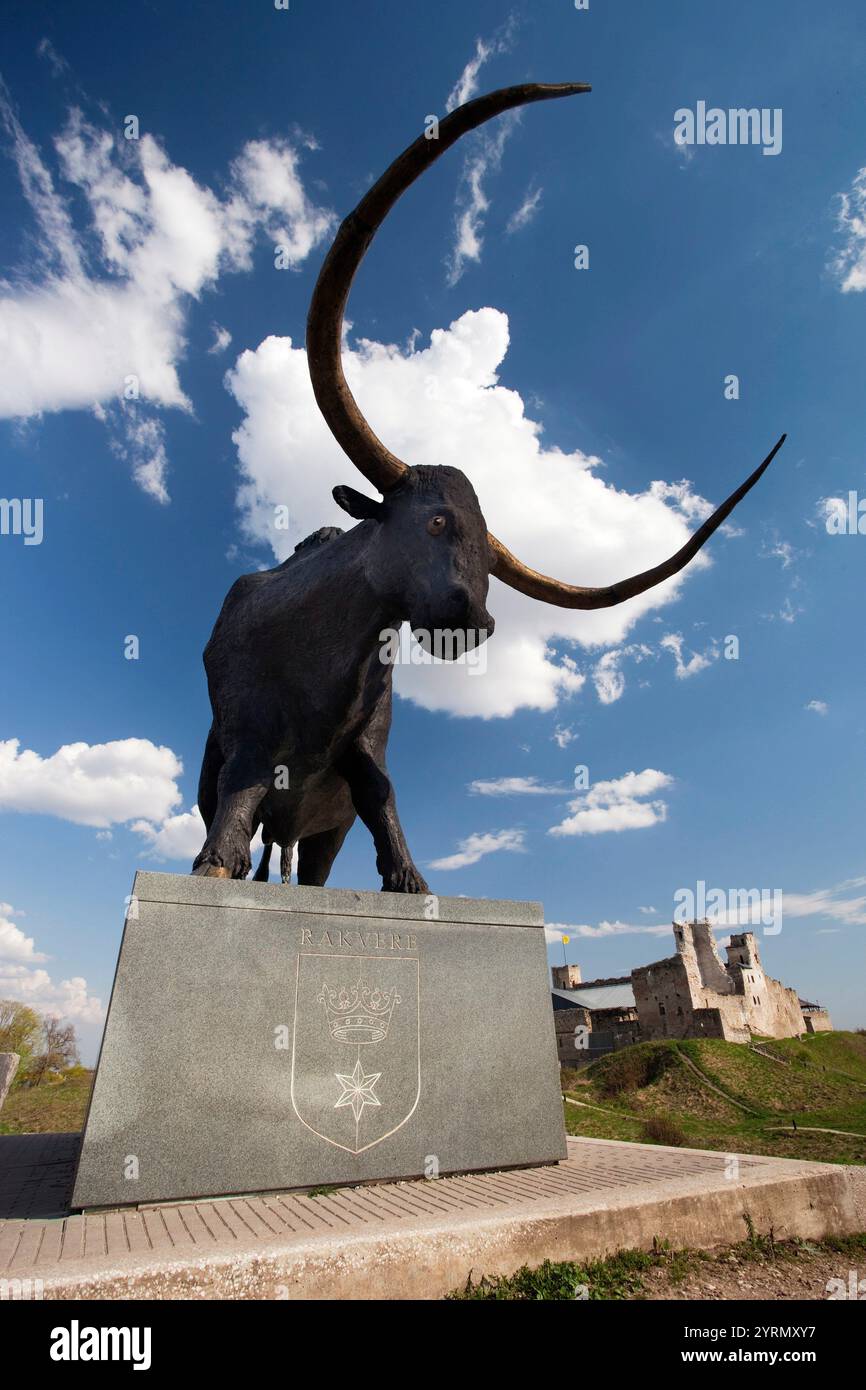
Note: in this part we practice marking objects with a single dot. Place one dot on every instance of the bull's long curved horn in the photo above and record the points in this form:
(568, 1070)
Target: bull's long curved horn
(327, 306)
(336, 402)
(512, 572)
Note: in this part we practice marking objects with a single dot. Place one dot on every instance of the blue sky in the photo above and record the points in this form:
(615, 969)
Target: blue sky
(588, 406)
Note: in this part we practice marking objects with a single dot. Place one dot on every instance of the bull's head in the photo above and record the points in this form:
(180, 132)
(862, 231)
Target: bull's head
(438, 552)
(429, 560)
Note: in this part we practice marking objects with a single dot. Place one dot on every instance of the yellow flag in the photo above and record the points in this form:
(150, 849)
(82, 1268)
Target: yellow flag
(565, 940)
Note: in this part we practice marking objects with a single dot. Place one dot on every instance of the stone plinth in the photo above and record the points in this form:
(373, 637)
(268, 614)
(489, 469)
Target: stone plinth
(263, 1037)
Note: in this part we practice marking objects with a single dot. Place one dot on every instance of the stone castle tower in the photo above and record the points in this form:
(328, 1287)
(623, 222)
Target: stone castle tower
(694, 994)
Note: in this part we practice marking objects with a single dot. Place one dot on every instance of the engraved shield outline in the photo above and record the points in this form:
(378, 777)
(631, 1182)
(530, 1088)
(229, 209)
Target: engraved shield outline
(331, 957)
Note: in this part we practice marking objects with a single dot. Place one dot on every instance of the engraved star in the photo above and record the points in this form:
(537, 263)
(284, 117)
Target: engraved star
(358, 1090)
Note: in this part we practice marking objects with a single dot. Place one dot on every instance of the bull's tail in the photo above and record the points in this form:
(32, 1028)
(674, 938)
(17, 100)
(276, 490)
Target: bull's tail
(286, 863)
(262, 872)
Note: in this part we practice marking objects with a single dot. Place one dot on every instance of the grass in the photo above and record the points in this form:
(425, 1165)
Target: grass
(625, 1275)
(620, 1276)
(56, 1107)
(822, 1085)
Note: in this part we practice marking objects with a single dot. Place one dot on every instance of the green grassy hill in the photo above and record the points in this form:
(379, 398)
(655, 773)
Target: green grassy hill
(58, 1106)
(714, 1095)
(718, 1095)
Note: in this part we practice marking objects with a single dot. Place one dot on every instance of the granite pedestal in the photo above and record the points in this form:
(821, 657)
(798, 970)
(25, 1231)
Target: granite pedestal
(263, 1037)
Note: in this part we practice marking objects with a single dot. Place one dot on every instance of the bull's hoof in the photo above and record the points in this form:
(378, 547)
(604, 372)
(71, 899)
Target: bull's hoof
(405, 879)
(211, 871)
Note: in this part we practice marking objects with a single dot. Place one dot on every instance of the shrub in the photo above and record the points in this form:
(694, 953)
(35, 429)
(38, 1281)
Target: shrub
(660, 1130)
(634, 1068)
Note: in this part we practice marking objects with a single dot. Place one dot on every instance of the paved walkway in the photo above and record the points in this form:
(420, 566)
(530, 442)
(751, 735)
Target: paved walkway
(411, 1239)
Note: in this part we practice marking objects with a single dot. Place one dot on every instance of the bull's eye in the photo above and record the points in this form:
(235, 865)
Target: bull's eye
(436, 525)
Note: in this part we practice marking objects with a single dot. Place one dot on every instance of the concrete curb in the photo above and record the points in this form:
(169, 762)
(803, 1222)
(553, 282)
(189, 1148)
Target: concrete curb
(422, 1240)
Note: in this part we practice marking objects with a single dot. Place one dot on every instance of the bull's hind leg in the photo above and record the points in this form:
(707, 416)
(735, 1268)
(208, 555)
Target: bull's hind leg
(262, 872)
(316, 855)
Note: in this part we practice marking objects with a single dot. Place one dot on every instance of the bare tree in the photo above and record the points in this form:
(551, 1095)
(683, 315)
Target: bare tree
(60, 1049)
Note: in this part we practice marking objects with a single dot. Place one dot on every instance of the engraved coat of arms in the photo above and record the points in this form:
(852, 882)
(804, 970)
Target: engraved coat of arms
(356, 1063)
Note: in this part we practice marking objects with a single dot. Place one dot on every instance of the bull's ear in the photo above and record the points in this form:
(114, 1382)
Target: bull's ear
(359, 506)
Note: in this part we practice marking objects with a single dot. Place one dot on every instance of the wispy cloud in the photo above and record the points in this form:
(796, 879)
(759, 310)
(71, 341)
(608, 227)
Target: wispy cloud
(608, 676)
(466, 86)
(475, 847)
(554, 931)
(45, 49)
(515, 786)
(698, 661)
(472, 201)
(522, 216)
(849, 262)
(483, 157)
(780, 550)
(829, 902)
(221, 339)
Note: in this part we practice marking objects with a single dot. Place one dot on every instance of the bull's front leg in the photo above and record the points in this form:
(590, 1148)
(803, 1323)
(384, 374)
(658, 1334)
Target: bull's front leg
(374, 801)
(244, 780)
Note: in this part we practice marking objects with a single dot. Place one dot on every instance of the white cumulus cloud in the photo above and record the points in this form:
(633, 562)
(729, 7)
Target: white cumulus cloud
(22, 977)
(14, 945)
(180, 837)
(620, 804)
(69, 999)
(99, 784)
(442, 404)
(97, 320)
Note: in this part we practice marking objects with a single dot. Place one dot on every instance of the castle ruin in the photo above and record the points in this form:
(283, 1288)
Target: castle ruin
(692, 994)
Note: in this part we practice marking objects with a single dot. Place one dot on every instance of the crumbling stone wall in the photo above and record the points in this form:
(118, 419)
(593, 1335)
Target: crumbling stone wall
(565, 1021)
(817, 1021)
(600, 1031)
(693, 994)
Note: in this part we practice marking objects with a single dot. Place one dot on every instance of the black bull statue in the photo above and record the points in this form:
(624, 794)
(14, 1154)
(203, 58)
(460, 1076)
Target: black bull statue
(300, 693)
